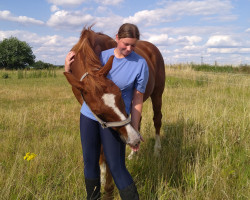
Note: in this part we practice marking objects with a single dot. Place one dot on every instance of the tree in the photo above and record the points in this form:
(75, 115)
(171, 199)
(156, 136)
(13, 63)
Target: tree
(15, 54)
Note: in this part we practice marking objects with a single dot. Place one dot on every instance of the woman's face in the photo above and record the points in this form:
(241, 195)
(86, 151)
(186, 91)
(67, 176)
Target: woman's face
(125, 45)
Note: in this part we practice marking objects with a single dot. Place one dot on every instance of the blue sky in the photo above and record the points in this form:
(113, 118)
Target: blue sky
(184, 31)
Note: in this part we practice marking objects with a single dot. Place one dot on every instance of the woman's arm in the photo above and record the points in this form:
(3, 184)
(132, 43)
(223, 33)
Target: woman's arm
(136, 109)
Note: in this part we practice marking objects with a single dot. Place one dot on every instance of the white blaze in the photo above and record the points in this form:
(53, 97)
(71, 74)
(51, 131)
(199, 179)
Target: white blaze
(109, 100)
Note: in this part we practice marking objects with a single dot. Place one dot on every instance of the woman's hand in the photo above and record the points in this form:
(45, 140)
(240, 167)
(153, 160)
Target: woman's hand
(69, 60)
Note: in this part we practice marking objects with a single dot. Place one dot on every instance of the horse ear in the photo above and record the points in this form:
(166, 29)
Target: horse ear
(73, 81)
(106, 68)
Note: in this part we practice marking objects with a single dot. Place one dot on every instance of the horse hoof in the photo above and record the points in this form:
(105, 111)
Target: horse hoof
(157, 152)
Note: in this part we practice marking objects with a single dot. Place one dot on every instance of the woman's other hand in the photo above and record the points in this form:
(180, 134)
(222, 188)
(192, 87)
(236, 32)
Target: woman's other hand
(69, 60)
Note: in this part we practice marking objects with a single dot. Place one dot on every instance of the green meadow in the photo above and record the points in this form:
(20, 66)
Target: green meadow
(205, 138)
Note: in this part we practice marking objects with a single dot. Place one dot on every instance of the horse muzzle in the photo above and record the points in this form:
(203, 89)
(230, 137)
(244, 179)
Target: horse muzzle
(133, 138)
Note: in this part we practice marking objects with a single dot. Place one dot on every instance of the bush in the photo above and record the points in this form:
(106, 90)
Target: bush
(245, 69)
(5, 76)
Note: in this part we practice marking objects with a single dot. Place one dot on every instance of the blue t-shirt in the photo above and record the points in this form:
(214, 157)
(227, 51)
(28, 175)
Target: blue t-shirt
(127, 73)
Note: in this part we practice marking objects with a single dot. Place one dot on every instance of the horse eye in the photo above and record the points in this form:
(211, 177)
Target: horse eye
(84, 92)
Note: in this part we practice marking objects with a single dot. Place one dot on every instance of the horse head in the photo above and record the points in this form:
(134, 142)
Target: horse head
(101, 95)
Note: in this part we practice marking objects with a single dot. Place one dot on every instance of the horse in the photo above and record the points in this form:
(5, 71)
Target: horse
(88, 73)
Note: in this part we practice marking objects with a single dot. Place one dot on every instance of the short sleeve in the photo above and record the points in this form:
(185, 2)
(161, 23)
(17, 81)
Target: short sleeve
(142, 77)
(105, 55)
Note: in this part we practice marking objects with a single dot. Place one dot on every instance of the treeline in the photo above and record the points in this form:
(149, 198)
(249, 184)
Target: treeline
(222, 69)
(42, 65)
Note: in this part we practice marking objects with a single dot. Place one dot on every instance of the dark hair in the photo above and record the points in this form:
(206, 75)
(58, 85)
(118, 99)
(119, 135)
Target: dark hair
(128, 30)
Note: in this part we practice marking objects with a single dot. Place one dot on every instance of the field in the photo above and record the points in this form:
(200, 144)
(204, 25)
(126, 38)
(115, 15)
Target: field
(205, 139)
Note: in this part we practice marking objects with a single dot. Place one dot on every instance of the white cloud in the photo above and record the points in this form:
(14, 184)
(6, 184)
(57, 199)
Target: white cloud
(6, 15)
(244, 50)
(66, 19)
(108, 25)
(54, 8)
(193, 48)
(175, 10)
(66, 2)
(76, 20)
(165, 40)
(222, 50)
(102, 9)
(223, 18)
(149, 17)
(193, 8)
(222, 41)
(109, 2)
(188, 40)
(229, 50)
(161, 39)
(193, 30)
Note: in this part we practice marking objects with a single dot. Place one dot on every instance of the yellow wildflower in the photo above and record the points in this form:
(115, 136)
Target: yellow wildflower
(29, 156)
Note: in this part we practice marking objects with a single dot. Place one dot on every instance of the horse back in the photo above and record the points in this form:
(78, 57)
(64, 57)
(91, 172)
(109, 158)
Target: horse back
(152, 55)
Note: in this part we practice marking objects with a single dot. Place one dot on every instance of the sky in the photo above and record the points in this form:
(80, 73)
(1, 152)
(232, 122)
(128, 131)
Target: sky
(185, 31)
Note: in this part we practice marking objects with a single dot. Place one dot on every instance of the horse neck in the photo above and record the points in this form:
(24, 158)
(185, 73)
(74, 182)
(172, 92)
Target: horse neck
(104, 42)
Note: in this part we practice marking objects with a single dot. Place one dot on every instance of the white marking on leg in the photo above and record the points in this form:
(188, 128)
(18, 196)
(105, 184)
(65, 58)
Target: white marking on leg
(109, 100)
(157, 146)
(131, 155)
(103, 173)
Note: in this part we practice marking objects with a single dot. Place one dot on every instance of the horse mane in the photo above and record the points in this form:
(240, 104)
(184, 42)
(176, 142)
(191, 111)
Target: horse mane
(84, 47)
(89, 59)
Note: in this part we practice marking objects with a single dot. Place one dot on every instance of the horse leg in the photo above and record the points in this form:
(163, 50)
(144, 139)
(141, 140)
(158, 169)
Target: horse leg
(156, 98)
(102, 164)
(106, 178)
(103, 172)
(109, 186)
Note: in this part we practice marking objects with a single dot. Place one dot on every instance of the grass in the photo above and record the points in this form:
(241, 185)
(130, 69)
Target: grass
(205, 139)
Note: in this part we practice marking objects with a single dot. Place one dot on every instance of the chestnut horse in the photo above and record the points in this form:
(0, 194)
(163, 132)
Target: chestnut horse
(95, 85)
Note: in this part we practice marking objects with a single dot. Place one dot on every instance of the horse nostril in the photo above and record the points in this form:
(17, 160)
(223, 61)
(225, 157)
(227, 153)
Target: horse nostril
(137, 144)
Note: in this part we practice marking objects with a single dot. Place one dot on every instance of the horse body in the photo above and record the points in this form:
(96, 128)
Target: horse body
(85, 60)
(156, 81)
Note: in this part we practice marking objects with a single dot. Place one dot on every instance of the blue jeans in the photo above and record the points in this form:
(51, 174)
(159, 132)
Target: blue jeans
(92, 136)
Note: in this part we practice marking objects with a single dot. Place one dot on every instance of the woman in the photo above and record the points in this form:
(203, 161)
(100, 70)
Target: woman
(130, 73)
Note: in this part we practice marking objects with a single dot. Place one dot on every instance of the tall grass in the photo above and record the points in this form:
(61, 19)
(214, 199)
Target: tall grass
(34, 73)
(205, 139)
